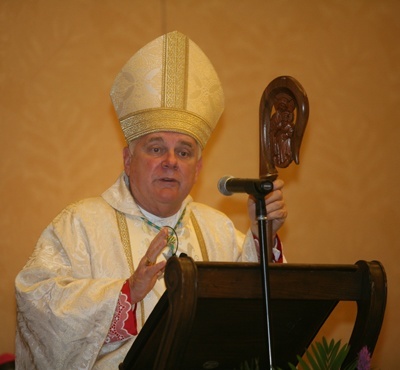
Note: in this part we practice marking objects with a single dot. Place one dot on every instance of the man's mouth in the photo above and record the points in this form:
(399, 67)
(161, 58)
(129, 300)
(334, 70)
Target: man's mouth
(168, 180)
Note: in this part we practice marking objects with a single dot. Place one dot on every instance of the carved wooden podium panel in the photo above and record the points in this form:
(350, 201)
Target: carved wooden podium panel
(211, 316)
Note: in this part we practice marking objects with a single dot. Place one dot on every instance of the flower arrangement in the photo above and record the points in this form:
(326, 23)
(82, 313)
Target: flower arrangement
(330, 356)
(324, 356)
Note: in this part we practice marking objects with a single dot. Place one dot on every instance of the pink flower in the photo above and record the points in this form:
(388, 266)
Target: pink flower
(364, 359)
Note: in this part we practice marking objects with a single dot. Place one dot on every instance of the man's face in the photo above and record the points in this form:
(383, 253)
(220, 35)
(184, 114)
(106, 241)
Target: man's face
(162, 169)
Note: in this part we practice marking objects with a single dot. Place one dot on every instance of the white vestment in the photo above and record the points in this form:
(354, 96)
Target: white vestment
(68, 291)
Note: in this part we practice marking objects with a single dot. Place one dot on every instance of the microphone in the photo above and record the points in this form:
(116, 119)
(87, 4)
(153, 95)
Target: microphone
(228, 185)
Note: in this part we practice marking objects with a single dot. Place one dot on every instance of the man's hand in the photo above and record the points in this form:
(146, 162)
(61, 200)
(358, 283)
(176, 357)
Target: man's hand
(147, 272)
(276, 209)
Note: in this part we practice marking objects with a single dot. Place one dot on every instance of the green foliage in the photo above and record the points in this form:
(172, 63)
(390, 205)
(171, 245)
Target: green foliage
(254, 365)
(325, 356)
(321, 356)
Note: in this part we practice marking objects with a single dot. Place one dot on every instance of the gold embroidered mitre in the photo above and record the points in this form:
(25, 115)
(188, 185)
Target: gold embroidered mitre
(168, 85)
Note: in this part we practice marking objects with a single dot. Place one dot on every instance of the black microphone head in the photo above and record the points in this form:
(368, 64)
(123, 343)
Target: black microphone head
(222, 185)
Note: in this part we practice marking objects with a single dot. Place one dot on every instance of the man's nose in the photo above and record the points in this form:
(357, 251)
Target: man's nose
(170, 160)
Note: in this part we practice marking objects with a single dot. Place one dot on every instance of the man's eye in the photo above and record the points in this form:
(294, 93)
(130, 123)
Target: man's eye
(184, 154)
(155, 150)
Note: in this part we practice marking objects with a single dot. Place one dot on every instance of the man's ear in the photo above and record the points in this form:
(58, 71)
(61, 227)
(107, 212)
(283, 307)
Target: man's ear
(126, 154)
(199, 166)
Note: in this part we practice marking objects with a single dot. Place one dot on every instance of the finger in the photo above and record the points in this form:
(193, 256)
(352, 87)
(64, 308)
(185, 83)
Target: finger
(278, 184)
(275, 196)
(156, 246)
(152, 271)
(276, 209)
(273, 202)
(143, 280)
(277, 215)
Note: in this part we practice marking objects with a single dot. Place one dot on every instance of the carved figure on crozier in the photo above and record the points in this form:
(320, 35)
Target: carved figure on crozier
(282, 129)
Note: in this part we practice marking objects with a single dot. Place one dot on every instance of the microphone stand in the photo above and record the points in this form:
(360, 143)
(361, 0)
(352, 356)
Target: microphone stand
(265, 240)
(259, 191)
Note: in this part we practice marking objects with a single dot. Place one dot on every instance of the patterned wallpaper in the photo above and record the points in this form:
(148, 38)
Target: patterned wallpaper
(60, 139)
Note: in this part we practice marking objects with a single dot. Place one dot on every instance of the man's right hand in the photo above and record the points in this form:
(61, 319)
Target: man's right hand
(147, 272)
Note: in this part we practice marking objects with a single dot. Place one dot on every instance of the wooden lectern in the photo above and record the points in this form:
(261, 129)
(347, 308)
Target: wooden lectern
(212, 316)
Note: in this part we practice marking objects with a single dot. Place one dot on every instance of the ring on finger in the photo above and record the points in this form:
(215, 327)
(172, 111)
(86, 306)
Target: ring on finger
(149, 262)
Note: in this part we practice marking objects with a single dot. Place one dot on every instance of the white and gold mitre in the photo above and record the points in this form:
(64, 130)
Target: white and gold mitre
(168, 85)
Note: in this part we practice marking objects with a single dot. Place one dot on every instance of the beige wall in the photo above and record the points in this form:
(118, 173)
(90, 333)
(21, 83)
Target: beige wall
(60, 141)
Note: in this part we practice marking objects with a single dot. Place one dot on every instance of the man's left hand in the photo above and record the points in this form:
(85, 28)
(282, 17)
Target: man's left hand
(276, 209)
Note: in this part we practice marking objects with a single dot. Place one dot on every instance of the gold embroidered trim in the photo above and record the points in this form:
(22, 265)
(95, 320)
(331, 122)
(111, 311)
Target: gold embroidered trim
(165, 119)
(200, 237)
(175, 56)
(126, 243)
